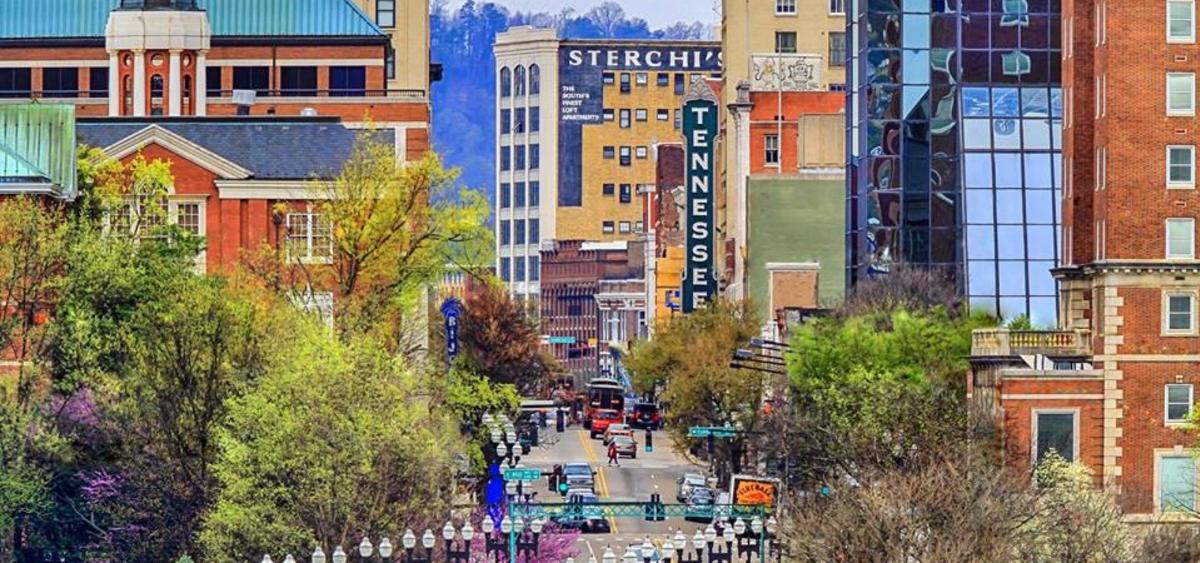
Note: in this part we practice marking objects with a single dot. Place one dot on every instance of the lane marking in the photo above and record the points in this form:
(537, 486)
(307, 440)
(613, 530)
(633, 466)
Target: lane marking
(602, 489)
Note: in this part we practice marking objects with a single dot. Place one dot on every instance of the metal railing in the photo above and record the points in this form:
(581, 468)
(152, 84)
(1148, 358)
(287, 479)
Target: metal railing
(1051, 343)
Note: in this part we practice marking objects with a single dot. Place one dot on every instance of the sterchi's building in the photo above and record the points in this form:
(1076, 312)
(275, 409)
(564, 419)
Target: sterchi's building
(576, 125)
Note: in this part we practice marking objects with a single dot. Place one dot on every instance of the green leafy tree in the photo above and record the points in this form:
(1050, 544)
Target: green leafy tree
(336, 439)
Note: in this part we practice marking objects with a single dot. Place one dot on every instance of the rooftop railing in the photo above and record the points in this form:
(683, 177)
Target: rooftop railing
(1049, 343)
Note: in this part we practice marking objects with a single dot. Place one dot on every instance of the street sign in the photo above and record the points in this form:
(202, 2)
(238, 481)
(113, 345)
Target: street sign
(452, 309)
(522, 474)
(700, 130)
(558, 339)
(714, 431)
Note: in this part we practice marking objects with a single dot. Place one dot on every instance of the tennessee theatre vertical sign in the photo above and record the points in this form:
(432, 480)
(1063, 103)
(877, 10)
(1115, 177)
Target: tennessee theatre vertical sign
(700, 138)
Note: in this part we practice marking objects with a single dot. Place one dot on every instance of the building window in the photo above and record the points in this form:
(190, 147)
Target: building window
(1054, 431)
(505, 234)
(641, 153)
(309, 238)
(16, 82)
(609, 79)
(642, 79)
(609, 153)
(624, 118)
(638, 226)
(98, 82)
(505, 195)
(519, 120)
(389, 63)
(1181, 238)
(1177, 483)
(785, 41)
(771, 150)
(212, 79)
(678, 119)
(607, 227)
(625, 157)
(680, 85)
(60, 82)
(641, 114)
(519, 273)
(535, 80)
(519, 157)
(505, 121)
(535, 157)
(157, 89)
(385, 13)
(1181, 21)
(505, 273)
(298, 81)
(347, 81)
(626, 193)
(663, 79)
(1180, 313)
(626, 227)
(664, 115)
(609, 189)
(519, 195)
(535, 267)
(535, 234)
(1177, 402)
(785, 7)
(535, 194)
(1015, 63)
(837, 7)
(1181, 93)
(625, 87)
(505, 82)
(609, 114)
(1181, 167)
(505, 159)
(257, 78)
(519, 81)
(837, 48)
(1101, 168)
(519, 231)
(535, 120)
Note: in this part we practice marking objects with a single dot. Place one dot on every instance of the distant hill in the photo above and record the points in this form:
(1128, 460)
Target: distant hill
(463, 122)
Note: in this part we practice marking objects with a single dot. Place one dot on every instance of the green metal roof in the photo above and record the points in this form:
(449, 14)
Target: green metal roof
(69, 19)
(37, 148)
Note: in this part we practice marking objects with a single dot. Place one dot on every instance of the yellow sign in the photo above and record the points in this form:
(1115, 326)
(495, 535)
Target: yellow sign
(754, 491)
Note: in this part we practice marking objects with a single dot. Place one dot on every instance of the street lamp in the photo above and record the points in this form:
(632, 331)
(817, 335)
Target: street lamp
(710, 534)
(739, 526)
(609, 556)
(365, 549)
(267, 558)
(339, 556)
(409, 540)
(647, 550)
(506, 525)
(318, 555)
(289, 559)
(630, 556)
(668, 550)
(427, 540)
(385, 548)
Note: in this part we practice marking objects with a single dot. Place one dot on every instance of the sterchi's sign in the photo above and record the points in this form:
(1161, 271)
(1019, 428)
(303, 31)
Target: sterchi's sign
(700, 141)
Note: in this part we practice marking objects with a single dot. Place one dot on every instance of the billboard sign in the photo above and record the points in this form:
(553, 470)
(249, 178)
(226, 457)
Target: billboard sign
(748, 490)
(700, 131)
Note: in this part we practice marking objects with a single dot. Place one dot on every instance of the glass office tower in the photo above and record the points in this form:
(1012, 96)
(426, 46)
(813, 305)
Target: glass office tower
(955, 146)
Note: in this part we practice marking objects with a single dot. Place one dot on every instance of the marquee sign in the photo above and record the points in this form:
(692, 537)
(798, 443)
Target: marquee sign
(700, 140)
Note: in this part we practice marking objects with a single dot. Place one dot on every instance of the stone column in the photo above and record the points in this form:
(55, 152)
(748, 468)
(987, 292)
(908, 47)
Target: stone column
(740, 111)
(114, 84)
(139, 83)
(201, 92)
(175, 85)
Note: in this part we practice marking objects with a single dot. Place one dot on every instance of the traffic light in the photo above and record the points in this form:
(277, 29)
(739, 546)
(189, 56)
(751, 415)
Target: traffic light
(649, 440)
(560, 423)
(654, 510)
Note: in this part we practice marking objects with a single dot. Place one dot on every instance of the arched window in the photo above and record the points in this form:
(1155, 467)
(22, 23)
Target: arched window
(156, 94)
(127, 94)
(535, 79)
(505, 82)
(187, 95)
(519, 81)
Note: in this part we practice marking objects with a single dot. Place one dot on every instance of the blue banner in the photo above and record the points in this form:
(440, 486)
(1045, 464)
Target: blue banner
(452, 309)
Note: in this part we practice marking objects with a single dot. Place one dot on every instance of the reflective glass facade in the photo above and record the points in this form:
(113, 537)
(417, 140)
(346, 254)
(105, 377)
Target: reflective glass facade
(955, 146)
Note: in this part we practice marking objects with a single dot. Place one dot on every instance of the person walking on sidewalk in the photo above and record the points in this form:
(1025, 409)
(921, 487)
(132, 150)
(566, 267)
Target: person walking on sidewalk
(613, 457)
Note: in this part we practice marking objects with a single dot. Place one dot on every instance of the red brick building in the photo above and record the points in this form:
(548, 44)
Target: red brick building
(134, 58)
(573, 273)
(1114, 388)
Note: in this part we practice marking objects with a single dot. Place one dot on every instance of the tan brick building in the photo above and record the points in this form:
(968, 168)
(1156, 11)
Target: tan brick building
(1115, 387)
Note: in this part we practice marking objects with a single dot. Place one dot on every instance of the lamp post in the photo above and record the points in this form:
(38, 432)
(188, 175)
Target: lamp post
(495, 544)
(609, 556)
(461, 554)
(648, 550)
(339, 556)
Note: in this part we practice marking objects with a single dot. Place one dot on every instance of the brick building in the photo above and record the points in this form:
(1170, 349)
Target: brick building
(573, 274)
(188, 57)
(1114, 387)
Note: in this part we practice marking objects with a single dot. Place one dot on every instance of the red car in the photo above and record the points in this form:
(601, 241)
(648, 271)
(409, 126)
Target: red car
(602, 419)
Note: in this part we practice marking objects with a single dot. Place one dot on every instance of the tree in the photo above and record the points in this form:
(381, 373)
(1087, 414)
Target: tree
(906, 288)
(500, 342)
(335, 440)
(690, 358)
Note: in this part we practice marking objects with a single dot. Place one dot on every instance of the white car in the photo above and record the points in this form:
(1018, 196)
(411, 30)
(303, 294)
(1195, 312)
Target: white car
(687, 482)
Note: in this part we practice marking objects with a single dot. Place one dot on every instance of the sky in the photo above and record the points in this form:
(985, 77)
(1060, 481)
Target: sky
(658, 13)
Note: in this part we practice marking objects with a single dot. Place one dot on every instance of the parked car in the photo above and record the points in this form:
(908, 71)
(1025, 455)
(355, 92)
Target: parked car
(700, 505)
(686, 483)
(626, 445)
(614, 430)
(644, 415)
(579, 475)
(601, 421)
(583, 514)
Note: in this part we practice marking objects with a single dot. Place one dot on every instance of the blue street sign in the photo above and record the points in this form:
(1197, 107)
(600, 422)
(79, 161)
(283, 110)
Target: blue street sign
(452, 309)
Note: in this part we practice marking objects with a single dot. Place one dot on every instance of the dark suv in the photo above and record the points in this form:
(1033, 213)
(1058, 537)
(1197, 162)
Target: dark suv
(644, 415)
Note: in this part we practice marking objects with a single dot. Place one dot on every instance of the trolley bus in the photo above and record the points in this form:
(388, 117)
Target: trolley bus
(604, 394)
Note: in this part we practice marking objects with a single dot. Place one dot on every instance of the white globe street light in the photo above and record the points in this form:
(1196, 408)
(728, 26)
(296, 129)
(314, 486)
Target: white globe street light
(318, 555)
(365, 549)
(739, 526)
(267, 558)
(448, 531)
(537, 525)
(409, 540)
(609, 556)
(710, 534)
(385, 547)
(756, 525)
(647, 548)
(339, 556)
(487, 419)
(729, 535)
(506, 525)
(428, 539)
(698, 540)
(680, 540)
(630, 556)
(289, 559)
(468, 532)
